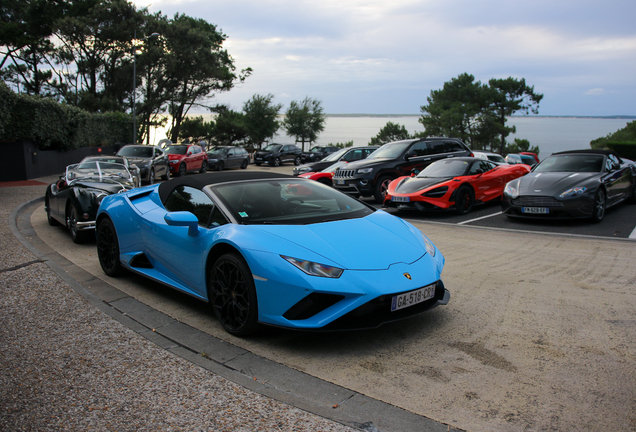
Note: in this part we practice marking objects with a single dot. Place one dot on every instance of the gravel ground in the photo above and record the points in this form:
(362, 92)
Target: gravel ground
(64, 365)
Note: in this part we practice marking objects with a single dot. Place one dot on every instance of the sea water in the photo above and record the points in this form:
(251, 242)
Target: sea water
(551, 134)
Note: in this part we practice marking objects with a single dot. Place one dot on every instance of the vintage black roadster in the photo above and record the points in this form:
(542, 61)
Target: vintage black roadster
(74, 199)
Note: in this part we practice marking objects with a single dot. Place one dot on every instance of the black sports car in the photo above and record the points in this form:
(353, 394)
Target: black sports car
(572, 184)
(74, 199)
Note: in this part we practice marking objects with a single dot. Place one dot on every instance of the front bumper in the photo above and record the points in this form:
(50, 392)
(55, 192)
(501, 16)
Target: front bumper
(552, 208)
(354, 186)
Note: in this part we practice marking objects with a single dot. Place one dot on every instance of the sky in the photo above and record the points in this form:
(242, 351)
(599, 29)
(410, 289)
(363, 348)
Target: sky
(386, 56)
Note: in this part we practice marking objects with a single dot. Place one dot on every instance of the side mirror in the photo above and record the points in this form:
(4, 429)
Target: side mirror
(414, 172)
(183, 218)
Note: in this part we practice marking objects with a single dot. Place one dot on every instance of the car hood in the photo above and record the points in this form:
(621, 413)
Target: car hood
(414, 184)
(365, 163)
(551, 183)
(139, 160)
(107, 185)
(370, 243)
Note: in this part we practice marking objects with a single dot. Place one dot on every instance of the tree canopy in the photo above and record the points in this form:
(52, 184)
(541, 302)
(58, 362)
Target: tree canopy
(88, 53)
(389, 133)
(304, 120)
(477, 113)
(261, 118)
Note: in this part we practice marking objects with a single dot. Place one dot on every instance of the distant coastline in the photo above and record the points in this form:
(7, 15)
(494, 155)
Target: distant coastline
(621, 117)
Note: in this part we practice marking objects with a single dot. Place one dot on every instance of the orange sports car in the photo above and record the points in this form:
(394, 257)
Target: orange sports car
(457, 183)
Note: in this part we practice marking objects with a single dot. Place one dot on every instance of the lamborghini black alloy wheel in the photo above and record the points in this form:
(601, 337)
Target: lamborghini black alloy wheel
(233, 295)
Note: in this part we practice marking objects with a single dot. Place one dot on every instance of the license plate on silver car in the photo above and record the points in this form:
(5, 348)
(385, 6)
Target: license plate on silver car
(412, 298)
(535, 210)
(340, 182)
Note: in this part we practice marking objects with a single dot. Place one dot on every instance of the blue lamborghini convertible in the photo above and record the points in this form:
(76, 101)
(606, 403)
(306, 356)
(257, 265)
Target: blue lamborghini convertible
(265, 248)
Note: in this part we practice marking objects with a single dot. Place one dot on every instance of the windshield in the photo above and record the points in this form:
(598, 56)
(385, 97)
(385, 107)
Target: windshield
(219, 152)
(178, 150)
(389, 151)
(136, 151)
(288, 202)
(315, 149)
(445, 168)
(273, 148)
(333, 167)
(335, 155)
(571, 163)
(496, 158)
(97, 170)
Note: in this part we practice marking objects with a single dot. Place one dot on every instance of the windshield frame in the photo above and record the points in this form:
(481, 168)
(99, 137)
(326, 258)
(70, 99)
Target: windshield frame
(233, 197)
(105, 171)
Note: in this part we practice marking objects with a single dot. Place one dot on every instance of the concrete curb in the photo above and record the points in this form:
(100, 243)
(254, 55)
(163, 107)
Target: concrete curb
(236, 364)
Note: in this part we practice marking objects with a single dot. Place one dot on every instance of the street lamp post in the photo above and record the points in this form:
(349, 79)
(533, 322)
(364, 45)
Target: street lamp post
(135, 81)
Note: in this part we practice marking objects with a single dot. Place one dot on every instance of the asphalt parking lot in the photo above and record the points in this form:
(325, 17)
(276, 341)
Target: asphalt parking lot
(539, 333)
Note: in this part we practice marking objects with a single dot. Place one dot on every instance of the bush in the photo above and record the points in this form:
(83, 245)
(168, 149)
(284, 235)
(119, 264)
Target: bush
(54, 126)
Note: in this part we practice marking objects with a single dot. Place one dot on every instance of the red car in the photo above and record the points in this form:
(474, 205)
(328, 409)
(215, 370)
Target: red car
(325, 175)
(534, 155)
(185, 158)
(457, 183)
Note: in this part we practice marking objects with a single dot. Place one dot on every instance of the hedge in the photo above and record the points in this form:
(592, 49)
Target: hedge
(54, 126)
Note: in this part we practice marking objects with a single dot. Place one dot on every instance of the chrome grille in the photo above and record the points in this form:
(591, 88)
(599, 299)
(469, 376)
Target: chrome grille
(537, 201)
(343, 173)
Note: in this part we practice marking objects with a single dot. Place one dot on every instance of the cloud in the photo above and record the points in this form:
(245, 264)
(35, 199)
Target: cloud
(595, 92)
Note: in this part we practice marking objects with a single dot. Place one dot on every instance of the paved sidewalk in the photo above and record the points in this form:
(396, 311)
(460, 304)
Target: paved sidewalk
(66, 365)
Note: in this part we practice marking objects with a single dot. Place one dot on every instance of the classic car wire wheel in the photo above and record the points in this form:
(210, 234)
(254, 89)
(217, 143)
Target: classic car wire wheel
(234, 295)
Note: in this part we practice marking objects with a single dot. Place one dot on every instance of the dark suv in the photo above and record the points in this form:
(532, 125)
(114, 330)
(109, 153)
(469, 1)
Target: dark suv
(276, 154)
(371, 176)
(317, 153)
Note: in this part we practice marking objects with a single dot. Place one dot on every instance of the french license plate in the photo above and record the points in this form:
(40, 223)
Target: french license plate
(340, 182)
(400, 199)
(535, 210)
(411, 298)
(257, 158)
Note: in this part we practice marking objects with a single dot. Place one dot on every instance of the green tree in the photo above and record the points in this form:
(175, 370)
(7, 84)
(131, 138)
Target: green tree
(304, 120)
(261, 118)
(196, 128)
(96, 53)
(508, 96)
(389, 133)
(454, 111)
(521, 145)
(230, 129)
(626, 135)
(197, 66)
(26, 27)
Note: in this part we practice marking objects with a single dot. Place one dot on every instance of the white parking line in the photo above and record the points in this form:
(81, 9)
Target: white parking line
(633, 234)
(480, 218)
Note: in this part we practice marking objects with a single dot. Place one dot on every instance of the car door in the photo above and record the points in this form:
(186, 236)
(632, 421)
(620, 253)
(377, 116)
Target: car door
(616, 180)
(160, 162)
(188, 265)
(232, 159)
(488, 181)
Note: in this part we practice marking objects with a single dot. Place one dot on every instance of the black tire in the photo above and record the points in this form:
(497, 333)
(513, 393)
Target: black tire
(297, 161)
(204, 167)
(166, 176)
(276, 162)
(151, 176)
(71, 224)
(47, 207)
(244, 164)
(108, 248)
(600, 202)
(464, 200)
(380, 189)
(233, 295)
(220, 166)
(182, 170)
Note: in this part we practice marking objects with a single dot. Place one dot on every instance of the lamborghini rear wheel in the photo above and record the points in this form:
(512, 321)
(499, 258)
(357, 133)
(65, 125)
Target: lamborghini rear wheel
(108, 248)
(233, 294)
